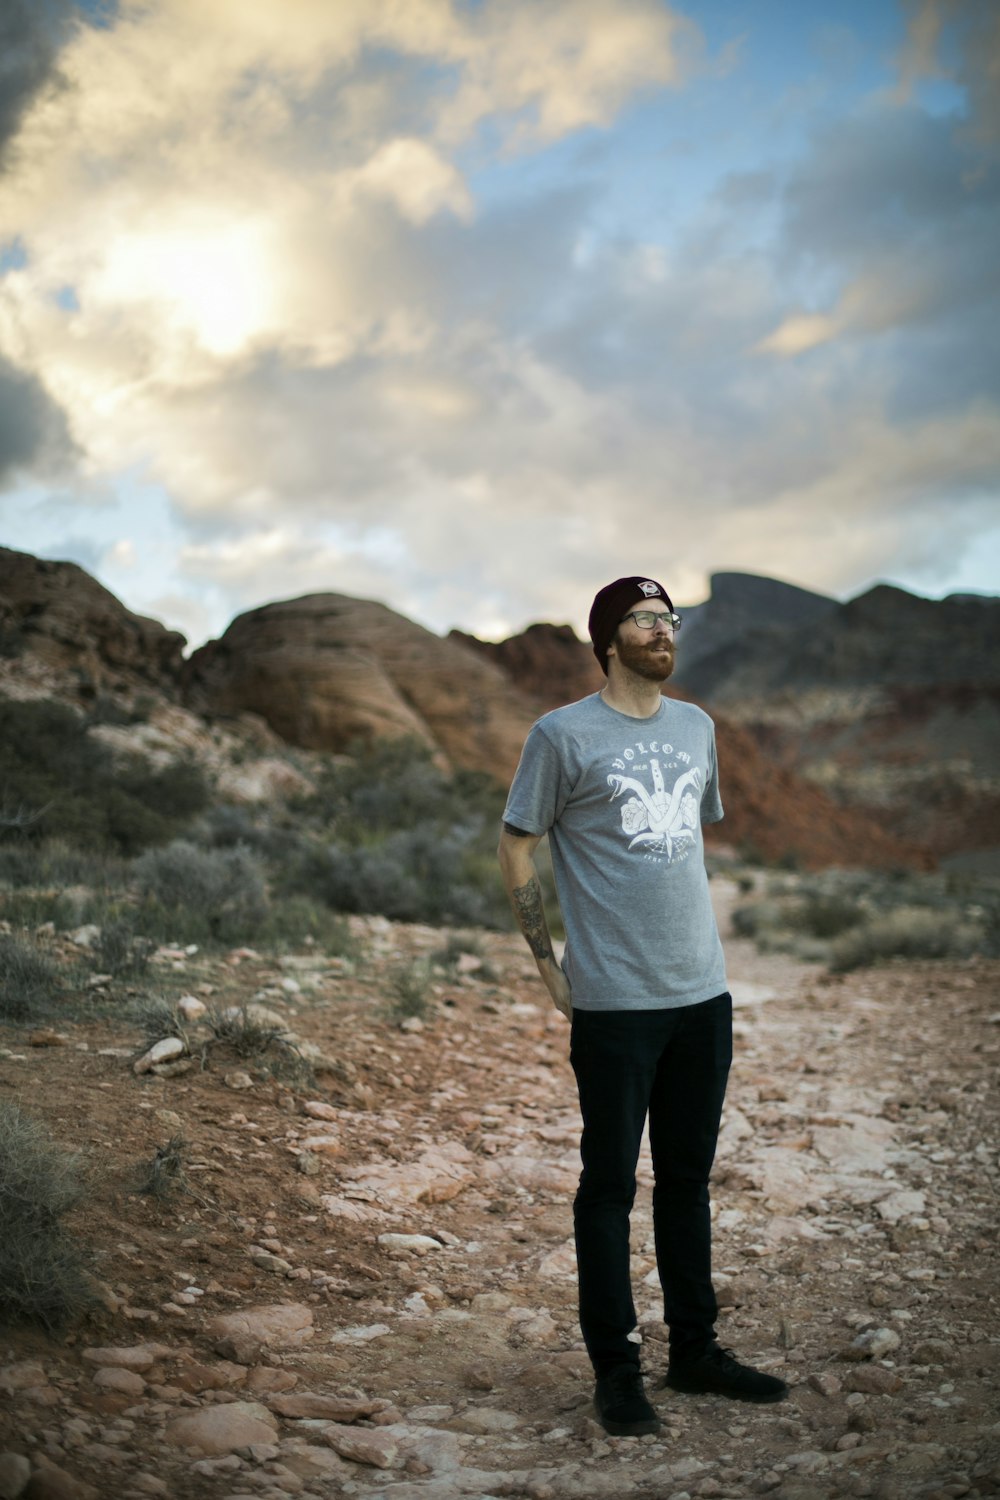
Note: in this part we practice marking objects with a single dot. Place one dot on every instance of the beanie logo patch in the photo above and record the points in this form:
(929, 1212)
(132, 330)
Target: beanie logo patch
(649, 588)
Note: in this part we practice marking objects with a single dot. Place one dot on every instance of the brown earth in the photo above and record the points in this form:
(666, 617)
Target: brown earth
(855, 1199)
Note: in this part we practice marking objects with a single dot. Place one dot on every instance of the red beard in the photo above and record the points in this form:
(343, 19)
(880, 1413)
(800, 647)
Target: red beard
(652, 659)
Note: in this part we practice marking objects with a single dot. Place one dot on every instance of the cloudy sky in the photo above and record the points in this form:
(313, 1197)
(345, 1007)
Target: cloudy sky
(471, 305)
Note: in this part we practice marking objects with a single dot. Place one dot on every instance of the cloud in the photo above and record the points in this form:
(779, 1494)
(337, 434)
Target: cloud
(261, 272)
(960, 40)
(33, 431)
(31, 35)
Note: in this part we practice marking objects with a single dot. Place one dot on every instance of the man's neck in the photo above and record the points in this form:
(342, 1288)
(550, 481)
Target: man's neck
(631, 694)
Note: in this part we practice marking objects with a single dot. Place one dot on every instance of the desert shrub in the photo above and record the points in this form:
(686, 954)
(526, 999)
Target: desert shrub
(297, 919)
(29, 978)
(410, 990)
(163, 1177)
(909, 932)
(158, 1020)
(43, 1270)
(392, 832)
(122, 951)
(199, 895)
(827, 916)
(249, 1036)
(43, 863)
(57, 778)
(419, 874)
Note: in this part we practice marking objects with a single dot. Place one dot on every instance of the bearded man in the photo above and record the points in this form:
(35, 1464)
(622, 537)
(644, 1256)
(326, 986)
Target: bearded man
(621, 783)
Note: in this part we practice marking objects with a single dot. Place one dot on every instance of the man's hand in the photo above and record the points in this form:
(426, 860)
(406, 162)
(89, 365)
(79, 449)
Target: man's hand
(558, 987)
(521, 881)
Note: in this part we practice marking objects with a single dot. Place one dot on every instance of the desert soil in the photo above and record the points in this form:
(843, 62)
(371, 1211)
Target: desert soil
(855, 1201)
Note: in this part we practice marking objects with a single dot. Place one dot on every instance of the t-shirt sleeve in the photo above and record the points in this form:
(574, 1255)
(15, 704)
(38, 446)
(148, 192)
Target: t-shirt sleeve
(711, 802)
(539, 789)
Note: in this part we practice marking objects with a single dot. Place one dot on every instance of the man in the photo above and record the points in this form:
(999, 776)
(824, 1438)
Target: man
(621, 782)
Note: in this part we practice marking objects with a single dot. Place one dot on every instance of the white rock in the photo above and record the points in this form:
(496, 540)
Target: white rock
(163, 1051)
(901, 1205)
(320, 1110)
(221, 1429)
(420, 1243)
(191, 1008)
(362, 1335)
(875, 1342)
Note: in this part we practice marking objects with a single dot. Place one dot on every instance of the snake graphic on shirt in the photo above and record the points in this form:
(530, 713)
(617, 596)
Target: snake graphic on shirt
(658, 820)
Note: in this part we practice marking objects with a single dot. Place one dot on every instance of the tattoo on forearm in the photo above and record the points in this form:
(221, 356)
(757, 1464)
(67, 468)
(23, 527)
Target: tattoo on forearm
(531, 917)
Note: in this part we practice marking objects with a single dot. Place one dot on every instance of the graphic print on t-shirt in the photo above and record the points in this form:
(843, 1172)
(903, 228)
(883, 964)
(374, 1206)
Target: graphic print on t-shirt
(658, 822)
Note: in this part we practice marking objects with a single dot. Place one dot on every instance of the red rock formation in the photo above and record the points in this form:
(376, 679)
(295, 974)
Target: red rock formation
(326, 670)
(57, 613)
(548, 662)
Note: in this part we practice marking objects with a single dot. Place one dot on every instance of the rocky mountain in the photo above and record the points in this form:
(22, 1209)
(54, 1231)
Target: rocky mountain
(548, 662)
(326, 671)
(890, 702)
(743, 607)
(54, 616)
(827, 756)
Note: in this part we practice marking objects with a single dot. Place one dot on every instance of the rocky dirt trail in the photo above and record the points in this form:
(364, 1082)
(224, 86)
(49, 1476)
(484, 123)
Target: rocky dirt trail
(364, 1284)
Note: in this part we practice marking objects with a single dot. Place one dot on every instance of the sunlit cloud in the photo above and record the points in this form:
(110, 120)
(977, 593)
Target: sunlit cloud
(330, 278)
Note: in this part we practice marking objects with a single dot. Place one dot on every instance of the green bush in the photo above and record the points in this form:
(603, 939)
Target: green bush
(59, 780)
(43, 1271)
(198, 895)
(410, 984)
(121, 951)
(419, 874)
(163, 1176)
(29, 978)
(909, 932)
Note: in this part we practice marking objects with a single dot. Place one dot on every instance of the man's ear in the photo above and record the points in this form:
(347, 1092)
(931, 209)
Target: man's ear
(612, 648)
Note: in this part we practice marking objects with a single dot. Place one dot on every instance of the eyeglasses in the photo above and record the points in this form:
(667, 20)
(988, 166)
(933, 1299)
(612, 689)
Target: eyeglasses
(648, 619)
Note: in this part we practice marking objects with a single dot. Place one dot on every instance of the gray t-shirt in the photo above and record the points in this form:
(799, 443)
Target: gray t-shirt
(623, 800)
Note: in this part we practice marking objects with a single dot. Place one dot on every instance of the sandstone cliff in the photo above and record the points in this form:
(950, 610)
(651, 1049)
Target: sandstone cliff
(57, 615)
(326, 671)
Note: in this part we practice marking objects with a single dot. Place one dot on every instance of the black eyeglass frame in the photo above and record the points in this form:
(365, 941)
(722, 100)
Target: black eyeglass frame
(673, 619)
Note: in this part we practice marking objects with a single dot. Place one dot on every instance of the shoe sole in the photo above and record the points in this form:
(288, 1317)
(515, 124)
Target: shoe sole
(630, 1429)
(708, 1390)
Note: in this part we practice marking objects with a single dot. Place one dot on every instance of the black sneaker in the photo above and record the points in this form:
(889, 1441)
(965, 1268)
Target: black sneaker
(622, 1408)
(717, 1372)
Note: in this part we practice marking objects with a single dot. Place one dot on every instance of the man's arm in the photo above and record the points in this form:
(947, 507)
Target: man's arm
(516, 856)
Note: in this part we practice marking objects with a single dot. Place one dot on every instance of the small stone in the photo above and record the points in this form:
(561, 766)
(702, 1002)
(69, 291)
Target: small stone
(46, 1037)
(238, 1080)
(933, 1352)
(283, 1325)
(126, 1382)
(164, 1051)
(52, 1483)
(478, 1377)
(825, 1383)
(872, 1344)
(191, 1008)
(222, 1429)
(377, 1447)
(873, 1380)
(420, 1243)
(334, 1408)
(15, 1471)
(320, 1110)
(24, 1376)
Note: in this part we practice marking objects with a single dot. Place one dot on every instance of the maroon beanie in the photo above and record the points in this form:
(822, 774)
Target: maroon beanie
(612, 604)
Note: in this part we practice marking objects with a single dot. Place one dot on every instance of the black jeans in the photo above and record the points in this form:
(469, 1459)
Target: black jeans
(671, 1065)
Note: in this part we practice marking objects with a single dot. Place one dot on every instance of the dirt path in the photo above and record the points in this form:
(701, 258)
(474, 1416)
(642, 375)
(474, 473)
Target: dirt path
(855, 1205)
